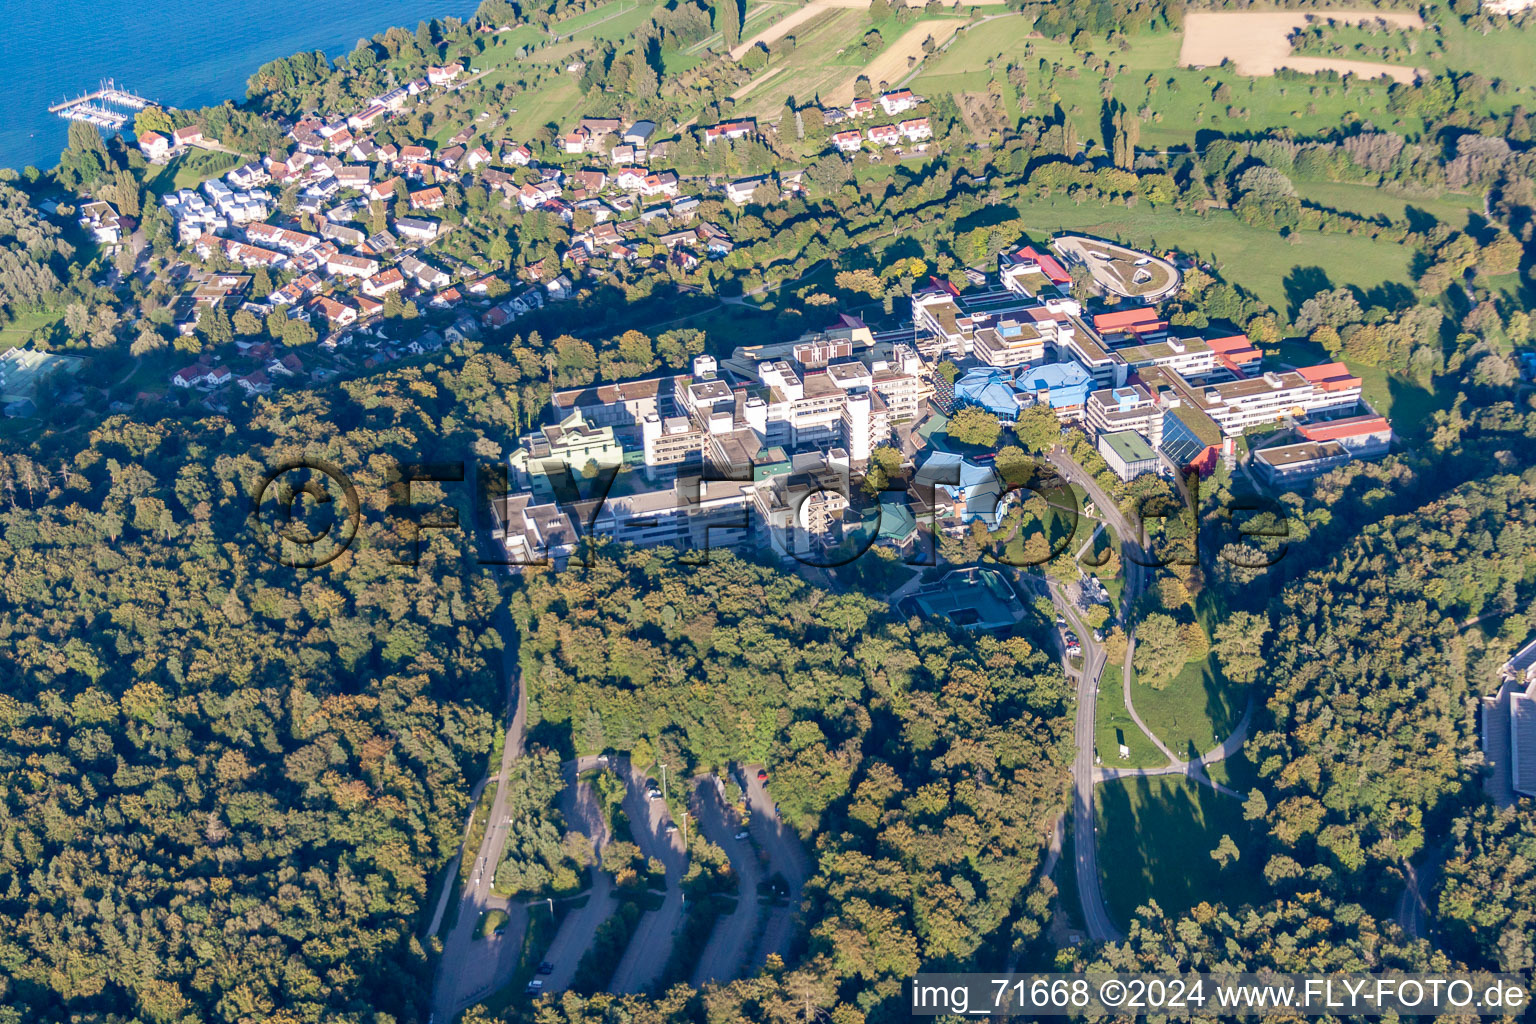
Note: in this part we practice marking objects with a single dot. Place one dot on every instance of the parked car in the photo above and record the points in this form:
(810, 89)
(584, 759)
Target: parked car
(545, 967)
(762, 775)
(742, 834)
(671, 828)
(535, 986)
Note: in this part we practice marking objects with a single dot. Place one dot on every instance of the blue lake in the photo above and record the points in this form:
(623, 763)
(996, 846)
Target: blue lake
(182, 53)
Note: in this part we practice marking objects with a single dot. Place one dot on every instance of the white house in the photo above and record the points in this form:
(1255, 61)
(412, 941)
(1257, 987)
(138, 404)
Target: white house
(154, 146)
(740, 191)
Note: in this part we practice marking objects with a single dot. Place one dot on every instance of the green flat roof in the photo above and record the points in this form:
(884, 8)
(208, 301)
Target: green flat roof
(1130, 446)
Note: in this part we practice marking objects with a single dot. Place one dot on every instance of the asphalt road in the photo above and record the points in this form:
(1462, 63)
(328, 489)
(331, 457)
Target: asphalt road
(582, 813)
(786, 857)
(1095, 915)
(730, 943)
(470, 968)
(1085, 846)
(651, 945)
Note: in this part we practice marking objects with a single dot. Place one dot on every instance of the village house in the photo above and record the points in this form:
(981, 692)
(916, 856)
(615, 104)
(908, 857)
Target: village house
(351, 266)
(916, 130)
(427, 199)
(354, 176)
(630, 179)
(848, 142)
(592, 182)
(451, 158)
(740, 191)
(532, 196)
(521, 156)
(295, 291)
(885, 135)
(342, 234)
(731, 130)
(414, 154)
(424, 273)
(154, 146)
(384, 282)
(191, 135)
(894, 103)
(477, 156)
(662, 184)
(365, 119)
(101, 221)
(280, 238)
(254, 383)
(444, 74)
(288, 366)
(861, 108)
(338, 313)
(416, 229)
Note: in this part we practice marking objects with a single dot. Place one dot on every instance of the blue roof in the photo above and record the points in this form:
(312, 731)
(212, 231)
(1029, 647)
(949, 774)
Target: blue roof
(990, 388)
(979, 487)
(1066, 383)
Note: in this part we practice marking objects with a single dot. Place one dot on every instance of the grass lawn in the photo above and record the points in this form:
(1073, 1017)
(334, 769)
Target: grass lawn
(1112, 726)
(813, 67)
(190, 169)
(15, 333)
(1182, 100)
(1504, 53)
(1156, 836)
(551, 103)
(491, 922)
(1194, 712)
(1453, 208)
(1281, 272)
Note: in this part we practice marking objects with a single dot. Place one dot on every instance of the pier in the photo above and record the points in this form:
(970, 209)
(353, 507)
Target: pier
(90, 108)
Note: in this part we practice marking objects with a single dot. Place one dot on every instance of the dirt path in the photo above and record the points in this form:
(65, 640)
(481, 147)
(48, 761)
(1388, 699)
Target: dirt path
(1259, 41)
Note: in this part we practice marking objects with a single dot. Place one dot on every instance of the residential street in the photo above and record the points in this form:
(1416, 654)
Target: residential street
(731, 941)
(786, 857)
(652, 943)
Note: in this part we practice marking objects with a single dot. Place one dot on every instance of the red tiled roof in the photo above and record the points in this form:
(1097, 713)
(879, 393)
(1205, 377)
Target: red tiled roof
(1142, 318)
(1329, 376)
(1354, 426)
(1053, 270)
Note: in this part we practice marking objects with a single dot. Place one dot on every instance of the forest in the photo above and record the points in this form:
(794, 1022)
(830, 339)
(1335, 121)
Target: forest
(226, 786)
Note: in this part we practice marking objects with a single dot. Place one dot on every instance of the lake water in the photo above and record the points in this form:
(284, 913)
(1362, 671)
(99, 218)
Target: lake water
(182, 53)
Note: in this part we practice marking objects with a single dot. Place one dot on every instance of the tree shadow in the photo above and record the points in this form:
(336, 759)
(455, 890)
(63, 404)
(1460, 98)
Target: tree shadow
(1155, 839)
(1301, 284)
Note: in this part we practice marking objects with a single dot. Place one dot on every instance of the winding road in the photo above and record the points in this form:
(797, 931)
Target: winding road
(471, 969)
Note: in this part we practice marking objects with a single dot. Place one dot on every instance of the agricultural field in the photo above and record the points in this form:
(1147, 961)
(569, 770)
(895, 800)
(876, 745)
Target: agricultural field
(818, 66)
